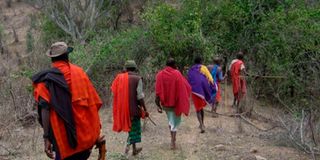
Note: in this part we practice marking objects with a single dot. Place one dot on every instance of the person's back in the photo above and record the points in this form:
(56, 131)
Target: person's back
(128, 105)
(168, 84)
(237, 69)
(172, 96)
(72, 105)
(134, 79)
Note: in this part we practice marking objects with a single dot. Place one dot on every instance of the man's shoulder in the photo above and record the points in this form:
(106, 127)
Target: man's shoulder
(76, 67)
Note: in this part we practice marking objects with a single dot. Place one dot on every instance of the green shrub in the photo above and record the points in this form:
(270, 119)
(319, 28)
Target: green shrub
(29, 41)
(176, 32)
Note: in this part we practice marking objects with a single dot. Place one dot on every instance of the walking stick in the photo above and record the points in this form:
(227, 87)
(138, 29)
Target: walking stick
(225, 86)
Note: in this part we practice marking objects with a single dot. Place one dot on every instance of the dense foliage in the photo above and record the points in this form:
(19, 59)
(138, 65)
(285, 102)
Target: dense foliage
(279, 38)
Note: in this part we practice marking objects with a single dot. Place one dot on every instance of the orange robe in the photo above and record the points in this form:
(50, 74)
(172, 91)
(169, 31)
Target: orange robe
(121, 111)
(238, 84)
(85, 106)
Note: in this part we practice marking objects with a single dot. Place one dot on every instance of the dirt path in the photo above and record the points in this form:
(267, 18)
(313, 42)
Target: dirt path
(192, 145)
(220, 141)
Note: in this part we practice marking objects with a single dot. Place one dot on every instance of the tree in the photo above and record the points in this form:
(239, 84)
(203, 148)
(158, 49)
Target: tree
(75, 17)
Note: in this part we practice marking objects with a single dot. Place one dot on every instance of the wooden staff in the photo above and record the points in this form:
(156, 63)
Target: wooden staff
(275, 77)
(225, 84)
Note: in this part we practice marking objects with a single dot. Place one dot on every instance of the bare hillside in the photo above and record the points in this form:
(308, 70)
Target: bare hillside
(16, 22)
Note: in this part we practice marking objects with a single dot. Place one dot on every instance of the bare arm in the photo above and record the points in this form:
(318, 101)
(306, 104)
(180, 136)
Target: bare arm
(45, 119)
(45, 116)
(157, 100)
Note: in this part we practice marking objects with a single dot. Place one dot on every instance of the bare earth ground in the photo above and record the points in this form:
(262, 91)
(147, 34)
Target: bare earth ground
(15, 18)
(26, 143)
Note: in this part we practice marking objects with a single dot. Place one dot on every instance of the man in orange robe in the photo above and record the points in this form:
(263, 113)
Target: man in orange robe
(68, 106)
(237, 72)
(128, 105)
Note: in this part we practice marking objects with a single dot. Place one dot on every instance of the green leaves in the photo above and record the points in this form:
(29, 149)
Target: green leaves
(176, 31)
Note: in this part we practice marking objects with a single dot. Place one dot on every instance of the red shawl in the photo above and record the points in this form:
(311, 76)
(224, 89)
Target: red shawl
(237, 82)
(173, 90)
(121, 113)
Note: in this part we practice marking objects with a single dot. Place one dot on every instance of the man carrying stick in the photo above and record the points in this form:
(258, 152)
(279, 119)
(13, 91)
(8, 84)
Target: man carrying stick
(172, 96)
(128, 105)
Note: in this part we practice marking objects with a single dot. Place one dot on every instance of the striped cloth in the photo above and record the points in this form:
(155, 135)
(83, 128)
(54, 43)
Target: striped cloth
(135, 132)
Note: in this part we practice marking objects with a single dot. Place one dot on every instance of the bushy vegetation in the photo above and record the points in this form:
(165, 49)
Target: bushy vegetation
(279, 38)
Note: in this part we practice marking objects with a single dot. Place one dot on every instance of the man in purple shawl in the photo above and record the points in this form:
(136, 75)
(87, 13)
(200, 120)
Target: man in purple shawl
(202, 85)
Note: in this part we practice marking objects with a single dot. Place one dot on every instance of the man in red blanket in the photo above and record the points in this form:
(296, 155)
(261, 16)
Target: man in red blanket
(237, 72)
(68, 106)
(128, 105)
(172, 96)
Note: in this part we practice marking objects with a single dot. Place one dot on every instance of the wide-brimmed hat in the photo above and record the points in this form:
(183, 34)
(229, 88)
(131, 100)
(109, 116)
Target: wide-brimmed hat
(130, 64)
(58, 49)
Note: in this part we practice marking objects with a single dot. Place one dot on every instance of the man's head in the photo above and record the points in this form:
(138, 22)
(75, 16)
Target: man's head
(240, 55)
(130, 65)
(217, 60)
(171, 63)
(59, 51)
(198, 60)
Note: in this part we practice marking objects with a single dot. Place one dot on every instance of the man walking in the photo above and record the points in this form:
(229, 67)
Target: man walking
(237, 72)
(202, 86)
(172, 96)
(68, 106)
(216, 73)
(128, 105)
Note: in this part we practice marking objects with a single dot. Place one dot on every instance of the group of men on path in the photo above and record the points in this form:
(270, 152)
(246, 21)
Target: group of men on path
(68, 103)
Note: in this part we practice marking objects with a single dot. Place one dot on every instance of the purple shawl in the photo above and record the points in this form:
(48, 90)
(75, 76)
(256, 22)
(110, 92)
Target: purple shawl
(200, 84)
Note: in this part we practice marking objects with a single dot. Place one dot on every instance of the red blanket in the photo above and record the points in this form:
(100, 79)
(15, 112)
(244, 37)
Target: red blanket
(238, 83)
(121, 113)
(173, 90)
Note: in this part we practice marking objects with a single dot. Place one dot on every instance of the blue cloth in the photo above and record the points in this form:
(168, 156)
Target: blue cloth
(217, 76)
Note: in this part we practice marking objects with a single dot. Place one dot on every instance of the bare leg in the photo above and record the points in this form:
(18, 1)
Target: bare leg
(200, 119)
(135, 149)
(173, 140)
(214, 110)
(234, 102)
(127, 149)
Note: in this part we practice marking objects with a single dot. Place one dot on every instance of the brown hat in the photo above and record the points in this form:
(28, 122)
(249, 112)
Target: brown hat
(58, 49)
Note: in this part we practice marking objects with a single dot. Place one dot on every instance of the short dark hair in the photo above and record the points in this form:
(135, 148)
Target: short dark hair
(131, 69)
(217, 60)
(198, 60)
(240, 55)
(171, 62)
(63, 57)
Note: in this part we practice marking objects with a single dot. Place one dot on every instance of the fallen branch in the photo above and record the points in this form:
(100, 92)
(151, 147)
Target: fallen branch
(227, 114)
(254, 125)
(306, 148)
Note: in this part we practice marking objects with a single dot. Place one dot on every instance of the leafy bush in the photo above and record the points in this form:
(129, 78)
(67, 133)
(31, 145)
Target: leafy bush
(176, 32)
(291, 48)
